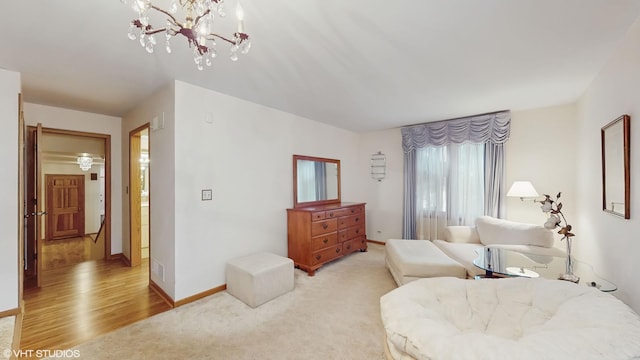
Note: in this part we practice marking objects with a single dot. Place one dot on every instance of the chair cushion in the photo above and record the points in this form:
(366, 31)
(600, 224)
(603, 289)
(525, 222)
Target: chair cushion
(461, 234)
(499, 231)
(421, 258)
(463, 253)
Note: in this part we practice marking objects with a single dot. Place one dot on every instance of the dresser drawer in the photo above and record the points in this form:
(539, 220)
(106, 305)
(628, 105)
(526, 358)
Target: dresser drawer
(318, 215)
(349, 221)
(338, 213)
(327, 254)
(354, 210)
(350, 233)
(323, 226)
(332, 214)
(355, 232)
(320, 242)
(353, 245)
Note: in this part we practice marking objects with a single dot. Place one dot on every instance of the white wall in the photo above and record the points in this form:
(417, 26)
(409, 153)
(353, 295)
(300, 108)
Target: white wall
(162, 183)
(384, 198)
(65, 119)
(541, 149)
(245, 156)
(609, 242)
(9, 218)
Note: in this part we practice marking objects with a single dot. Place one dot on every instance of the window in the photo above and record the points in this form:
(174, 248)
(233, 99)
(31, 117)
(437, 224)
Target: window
(449, 187)
(453, 172)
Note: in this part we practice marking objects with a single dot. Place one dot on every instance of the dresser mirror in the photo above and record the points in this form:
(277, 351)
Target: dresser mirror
(316, 181)
(616, 180)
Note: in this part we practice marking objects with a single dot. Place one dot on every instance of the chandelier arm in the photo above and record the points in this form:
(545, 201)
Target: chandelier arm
(152, 31)
(166, 13)
(195, 22)
(223, 38)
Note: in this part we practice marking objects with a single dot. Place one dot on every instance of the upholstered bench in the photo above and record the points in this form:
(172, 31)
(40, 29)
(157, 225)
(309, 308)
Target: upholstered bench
(410, 260)
(258, 278)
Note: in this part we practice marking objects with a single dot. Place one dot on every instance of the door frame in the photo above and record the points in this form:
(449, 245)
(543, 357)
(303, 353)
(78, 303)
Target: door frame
(22, 132)
(107, 201)
(135, 217)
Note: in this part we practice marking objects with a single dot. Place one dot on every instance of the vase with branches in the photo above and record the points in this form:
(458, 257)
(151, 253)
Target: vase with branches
(555, 220)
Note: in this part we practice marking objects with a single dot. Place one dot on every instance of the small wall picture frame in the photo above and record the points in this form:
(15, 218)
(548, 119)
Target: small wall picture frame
(94, 176)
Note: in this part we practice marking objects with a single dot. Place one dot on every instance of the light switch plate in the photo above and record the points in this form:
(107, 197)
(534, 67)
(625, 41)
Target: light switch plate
(207, 194)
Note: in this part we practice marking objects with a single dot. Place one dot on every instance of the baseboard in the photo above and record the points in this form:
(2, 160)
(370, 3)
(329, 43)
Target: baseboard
(10, 312)
(377, 242)
(125, 260)
(201, 295)
(114, 257)
(158, 290)
(119, 257)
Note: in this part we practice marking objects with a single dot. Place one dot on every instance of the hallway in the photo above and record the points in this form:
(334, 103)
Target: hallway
(79, 302)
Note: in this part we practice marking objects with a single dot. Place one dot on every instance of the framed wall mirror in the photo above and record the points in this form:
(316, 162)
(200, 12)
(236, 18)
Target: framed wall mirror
(316, 181)
(616, 178)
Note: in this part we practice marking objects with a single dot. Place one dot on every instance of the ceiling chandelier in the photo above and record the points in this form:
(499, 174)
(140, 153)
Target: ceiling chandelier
(196, 28)
(85, 162)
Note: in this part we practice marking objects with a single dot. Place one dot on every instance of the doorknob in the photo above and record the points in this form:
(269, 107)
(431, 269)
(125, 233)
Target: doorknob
(39, 213)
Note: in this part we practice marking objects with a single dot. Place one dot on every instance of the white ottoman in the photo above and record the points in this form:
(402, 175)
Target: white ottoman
(258, 278)
(410, 260)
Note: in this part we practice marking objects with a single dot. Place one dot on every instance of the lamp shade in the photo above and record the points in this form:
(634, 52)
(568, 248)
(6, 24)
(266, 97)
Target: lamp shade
(522, 189)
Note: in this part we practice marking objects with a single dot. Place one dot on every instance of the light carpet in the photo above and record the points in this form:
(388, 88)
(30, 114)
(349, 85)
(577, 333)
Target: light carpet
(332, 315)
(6, 335)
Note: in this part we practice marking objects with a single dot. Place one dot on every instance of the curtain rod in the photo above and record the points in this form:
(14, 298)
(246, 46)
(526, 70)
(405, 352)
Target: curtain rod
(458, 118)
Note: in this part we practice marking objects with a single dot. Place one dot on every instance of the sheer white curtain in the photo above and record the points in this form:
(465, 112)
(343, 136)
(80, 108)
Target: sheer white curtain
(306, 181)
(449, 187)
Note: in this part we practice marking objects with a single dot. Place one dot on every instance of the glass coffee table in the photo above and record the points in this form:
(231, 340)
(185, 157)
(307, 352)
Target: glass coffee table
(498, 262)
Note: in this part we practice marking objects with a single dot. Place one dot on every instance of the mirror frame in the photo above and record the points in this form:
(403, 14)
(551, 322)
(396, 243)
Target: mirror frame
(626, 141)
(297, 204)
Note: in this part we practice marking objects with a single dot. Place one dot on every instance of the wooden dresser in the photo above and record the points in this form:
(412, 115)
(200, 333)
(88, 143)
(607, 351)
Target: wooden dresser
(319, 234)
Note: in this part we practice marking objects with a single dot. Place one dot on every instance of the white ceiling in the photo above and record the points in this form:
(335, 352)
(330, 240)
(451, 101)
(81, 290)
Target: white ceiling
(361, 65)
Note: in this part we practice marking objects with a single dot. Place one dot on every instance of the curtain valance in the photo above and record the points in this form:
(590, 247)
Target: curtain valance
(494, 128)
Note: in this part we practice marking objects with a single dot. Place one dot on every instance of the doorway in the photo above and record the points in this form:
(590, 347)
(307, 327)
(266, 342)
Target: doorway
(59, 152)
(139, 194)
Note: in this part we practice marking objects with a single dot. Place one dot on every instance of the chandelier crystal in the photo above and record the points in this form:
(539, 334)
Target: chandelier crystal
(197, 26)
(85, 162)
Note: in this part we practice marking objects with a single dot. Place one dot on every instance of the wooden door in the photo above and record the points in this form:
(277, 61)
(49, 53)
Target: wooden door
(30, 243)
(135, 199)
(22, 208)
(65, 206)
(39, 213)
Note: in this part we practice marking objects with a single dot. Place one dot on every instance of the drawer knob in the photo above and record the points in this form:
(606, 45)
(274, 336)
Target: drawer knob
(353, 210)
(318, 257)
(325, 226)
(330, 214)
(357, 219)
(348, 247)
(358, 231)
(337, 250)
(325, 241)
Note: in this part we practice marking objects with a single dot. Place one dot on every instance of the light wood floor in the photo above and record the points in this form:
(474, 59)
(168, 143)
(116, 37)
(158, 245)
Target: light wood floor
(79, 302)
(64, 252)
